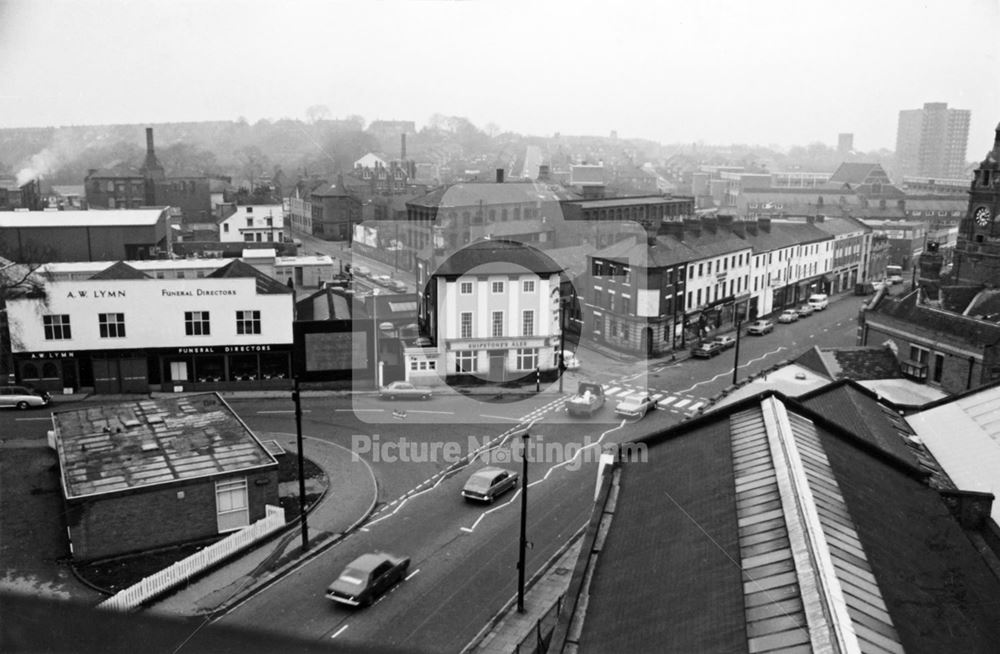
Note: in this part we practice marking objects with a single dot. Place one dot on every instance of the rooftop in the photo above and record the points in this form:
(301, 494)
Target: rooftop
(89, 218)
(135, 445)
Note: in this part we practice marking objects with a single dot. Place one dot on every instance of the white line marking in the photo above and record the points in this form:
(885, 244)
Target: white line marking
(483, 415)
(286, 411)
(411, 574)
(443, 413)
(682, 403)
(667, 400)
(612, 390)
(656, 398)
(359, 410)
(29, 419)
(340, 631)
(695, 406)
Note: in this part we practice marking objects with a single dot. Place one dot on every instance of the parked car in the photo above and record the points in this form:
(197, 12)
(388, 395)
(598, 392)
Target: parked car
(360, 271)
(367, 577)
(635, 405)
(895, 279)
(384, 280)
(397, 286)
(819, 301)
(22, 397)
(570, 360)
(805, 310)
(760, 327)
(707, 350)
(726, 341)
(404, 390)
(788, 315)
(487, 484)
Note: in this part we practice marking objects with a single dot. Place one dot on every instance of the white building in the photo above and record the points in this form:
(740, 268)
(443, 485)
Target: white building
(492, 310)
(122, 331)
(254, 223)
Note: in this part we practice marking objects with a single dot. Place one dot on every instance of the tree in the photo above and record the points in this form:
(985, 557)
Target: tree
(318, 112)
(20, 276)
(253, 163)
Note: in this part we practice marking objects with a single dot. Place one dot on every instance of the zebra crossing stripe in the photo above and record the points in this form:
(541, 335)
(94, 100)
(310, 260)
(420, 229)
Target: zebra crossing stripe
(612, 390)
(656, 398)
(695, 406)
(682, 404)
(667, 400)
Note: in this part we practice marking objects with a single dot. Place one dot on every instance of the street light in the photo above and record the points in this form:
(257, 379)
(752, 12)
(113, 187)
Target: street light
(522, 542)
(302, 479)
(375, 362)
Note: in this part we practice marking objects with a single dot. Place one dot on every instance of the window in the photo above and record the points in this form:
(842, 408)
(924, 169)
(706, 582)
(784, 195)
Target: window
(626, 304)
(919, 354)
(196, 323)
(465, 325)
(249, 222)
(465, 361)
(269, 222)
(247, 322)
(248, 237)
(231, 504)
(497, 287)
(112, 325)
(938, 366)
(527, 359)
(497, 326)
(527, 323)
(225, 227)
(56, 327)
(465, 288)
(528, 286)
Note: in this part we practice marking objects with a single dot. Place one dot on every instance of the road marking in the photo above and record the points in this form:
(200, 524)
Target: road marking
(340, 631)
(411, 574)
(483, 415)
(656, 398)
(667, 400)
(682, 404)
(695, 406)
(29, 419)
(612, 390)
(359, 410)
(443, 413)
(286, 411)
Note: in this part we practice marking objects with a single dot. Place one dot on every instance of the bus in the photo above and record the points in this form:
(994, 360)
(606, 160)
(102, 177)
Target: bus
(894, 274)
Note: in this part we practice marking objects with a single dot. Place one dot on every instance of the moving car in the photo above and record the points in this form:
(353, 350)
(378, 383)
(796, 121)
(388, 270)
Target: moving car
(760, 327)
(486, 484)
(22, 397)
(635, 405)
(707, 350)
(805, 310)
(819, 301)
(367, 577)
(726, 341)
(588, 400)
(788, 315)
(404, 390)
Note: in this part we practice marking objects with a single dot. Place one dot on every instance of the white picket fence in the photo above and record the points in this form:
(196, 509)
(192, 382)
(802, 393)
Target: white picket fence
(133, 596)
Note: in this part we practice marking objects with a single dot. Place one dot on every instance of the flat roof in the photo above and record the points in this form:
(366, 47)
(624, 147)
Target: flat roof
(145, 265)
(106, 449)
(89, 218)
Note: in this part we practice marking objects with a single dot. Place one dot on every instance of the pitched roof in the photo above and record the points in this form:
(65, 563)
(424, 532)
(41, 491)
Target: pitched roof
(854, 173)
(498, 255)
(237, 268)
(768, 526)
(861, 362)
(120, 270)
(929, 319)
(472, 194)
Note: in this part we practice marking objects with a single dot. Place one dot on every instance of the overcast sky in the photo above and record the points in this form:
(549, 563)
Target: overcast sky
(766, 72)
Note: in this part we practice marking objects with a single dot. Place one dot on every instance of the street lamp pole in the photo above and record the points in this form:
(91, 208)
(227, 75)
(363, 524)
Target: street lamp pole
(562, 341)
(375, 337)
(736, 357)
(302, 479)
(523, 542)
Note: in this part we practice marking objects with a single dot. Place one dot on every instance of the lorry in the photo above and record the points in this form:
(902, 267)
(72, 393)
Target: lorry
(588, 400)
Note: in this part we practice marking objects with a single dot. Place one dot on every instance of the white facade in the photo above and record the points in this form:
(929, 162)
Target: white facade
(714, 278)
(153, 312)
(254, 223)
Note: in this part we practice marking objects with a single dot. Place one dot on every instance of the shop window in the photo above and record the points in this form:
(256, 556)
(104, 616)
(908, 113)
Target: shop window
(29, 371)
(248, 237)
(178, 370)
(196, 323)
(527, 323)
(243, 367)
(56, 327)
(497, 324)
(274, 365)
(527, 359)
(111, 325)
(465, 361)
(210, 368)
(231, 504)
(248, 322)
(50, 370)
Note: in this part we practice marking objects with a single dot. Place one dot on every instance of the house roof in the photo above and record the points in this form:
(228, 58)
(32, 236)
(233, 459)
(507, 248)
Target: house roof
(767, 526)
(120, 270)
(130, 446)
(855, 173)
(857, 363)
(499, 255)
(324, 304)
(472, 194)
(90, 218)
(237, 268)
(930, 320)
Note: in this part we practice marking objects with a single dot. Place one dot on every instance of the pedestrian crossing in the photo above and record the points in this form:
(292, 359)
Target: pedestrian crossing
(661, 399)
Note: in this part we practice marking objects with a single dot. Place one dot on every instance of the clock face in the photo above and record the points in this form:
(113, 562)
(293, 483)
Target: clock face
(982, 216)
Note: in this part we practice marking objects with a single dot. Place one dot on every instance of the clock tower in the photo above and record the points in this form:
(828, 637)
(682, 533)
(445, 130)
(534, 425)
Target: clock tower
(977, 251)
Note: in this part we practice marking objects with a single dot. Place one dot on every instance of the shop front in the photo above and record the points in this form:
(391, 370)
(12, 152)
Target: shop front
(56, 372)
(225, 367)
(499, 360)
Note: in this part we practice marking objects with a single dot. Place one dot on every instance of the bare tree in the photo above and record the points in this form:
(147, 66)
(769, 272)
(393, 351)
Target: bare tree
(23, 277)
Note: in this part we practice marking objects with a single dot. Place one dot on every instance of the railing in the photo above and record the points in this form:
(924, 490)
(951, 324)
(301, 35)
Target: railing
(133, 596)
(537, 640)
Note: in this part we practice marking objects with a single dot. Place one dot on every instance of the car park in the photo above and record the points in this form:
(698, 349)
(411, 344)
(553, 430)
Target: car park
(22, 397)
(487, 484)
(760, 327)
(805, 310)
(819, 301)
(404, 390)
(367, 578)
(788, 315)
(726, 341)
(707, 350)
(635, 405)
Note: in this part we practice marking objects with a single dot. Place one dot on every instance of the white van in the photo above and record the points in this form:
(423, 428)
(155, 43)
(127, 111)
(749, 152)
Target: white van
(818, 301)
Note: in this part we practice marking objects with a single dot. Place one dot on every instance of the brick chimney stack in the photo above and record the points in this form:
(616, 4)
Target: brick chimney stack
(402, 146)
(499, 175)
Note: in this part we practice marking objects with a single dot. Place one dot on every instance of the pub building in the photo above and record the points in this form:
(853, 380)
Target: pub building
(122, 331)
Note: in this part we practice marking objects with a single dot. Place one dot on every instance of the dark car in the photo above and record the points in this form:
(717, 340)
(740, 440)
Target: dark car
(487, 484)
(367, 577)
(707, 350)
(22, 397)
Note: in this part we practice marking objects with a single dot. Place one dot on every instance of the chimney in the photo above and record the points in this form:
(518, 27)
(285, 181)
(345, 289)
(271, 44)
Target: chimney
(693, 225)
(726, 221)
(402, 146)
(149, 141)
(499, 175)
(764, 224)
(971, 508)
(673, 228)
(710, 224)
(750, 226)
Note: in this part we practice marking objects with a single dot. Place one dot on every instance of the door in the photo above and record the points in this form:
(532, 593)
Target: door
(498, 365)
(106, 376)
(133, 375)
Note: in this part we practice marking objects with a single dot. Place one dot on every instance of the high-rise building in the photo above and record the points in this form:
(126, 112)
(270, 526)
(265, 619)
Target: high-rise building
(845, 143)
(931, 142)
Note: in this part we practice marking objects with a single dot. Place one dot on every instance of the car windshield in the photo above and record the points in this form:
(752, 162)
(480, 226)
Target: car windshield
(478, 483)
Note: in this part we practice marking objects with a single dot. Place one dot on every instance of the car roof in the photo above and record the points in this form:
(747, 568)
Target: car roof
(635, 397)
(367, 562)
(488, 471)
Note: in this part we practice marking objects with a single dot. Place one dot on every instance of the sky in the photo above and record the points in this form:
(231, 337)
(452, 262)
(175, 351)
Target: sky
(769, 72)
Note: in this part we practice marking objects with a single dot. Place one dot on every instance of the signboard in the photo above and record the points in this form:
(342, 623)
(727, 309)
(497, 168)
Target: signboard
(498, 343)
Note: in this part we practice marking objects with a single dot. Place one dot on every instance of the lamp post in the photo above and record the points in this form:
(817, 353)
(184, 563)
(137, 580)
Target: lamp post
(302, 479)
(522, 542)
(375, 337)
(562, 341)
(736, 357)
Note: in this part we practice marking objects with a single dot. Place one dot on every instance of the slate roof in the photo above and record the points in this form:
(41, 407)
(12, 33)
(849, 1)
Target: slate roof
(855, 173)
(501, 254)
(237, 268)
(857, 363)
(136, 445)
(783, 235)
(905, 308)
(768, 526)
(666, 251)
(324, 304)
(120, 270)
(470, 194)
